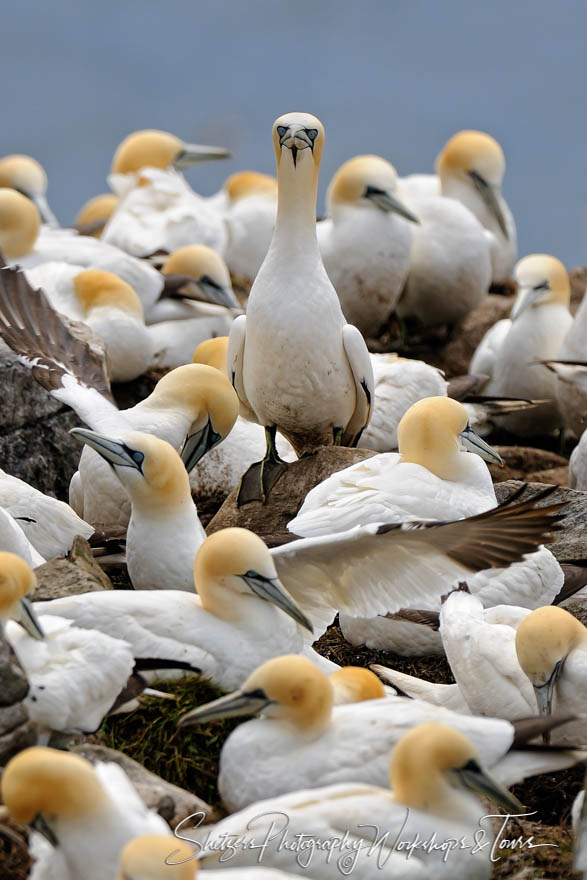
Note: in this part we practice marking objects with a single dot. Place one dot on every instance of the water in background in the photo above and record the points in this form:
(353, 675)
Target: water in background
(393, 77)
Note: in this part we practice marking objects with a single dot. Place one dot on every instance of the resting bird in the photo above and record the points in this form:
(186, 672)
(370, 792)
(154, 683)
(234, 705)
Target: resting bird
(28, 177)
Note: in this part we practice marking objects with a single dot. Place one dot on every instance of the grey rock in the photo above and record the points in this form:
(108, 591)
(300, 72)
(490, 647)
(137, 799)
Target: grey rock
(13, 682)
(578, 608)
(70, 575)
(571, 541)
(174, 804)
(17, 732)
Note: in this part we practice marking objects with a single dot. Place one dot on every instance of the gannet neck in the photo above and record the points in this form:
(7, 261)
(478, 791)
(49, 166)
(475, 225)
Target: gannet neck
(295, 227)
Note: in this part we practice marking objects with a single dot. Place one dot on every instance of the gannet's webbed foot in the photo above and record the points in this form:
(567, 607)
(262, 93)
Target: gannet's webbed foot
(256, 484)
(337, 434)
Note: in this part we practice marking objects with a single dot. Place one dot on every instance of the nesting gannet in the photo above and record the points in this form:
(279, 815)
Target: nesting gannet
(86, 813)
(27, 176)
(250, 209)
(578, 464)
(93, 215)
(551, 646)
(353, 684)
(293, 359)
(16, 580)
(433, 773)
(158, 210)
(540, 319)
(303, 741)
(366, 240)
(570, 368)
(432, 476)
(50, 525)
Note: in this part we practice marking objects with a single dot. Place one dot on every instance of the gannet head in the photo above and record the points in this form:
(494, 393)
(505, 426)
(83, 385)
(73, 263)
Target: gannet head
(430, 760)
(27, 176)
(40, 786)
(367, 181)
(19, 224)
(236, 561)
(298, 138)
(207, 398)
(354, 684)
(157, 857)
(16, 580)
(212, 352)
(96, 288)
(542, 280)
(97, 210)
(544, 640)
(477, 158)
(243, 184)
(201, 267)
(435, 431)
(149, 468)
(289, 688)
(159, 149)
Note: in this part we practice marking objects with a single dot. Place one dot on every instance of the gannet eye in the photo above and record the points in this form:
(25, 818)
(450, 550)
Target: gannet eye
(312, 133)
(282, 130)
(138, 457)
(544, 285)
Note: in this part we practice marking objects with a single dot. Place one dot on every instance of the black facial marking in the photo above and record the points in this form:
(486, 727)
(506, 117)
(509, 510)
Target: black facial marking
(365, 388)
(294, 152)
(544, 285)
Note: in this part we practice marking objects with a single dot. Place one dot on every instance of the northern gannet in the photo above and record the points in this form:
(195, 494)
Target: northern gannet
(571, 373)
(27, 176)
(303, 741)
(365, 242)
(158, 210)
(86, 813)
(293, 360)
(250, 209)
(512, 353)
(242, 615)
(432, 476)
(14, 540)
(93, 215)
(433, 773)
(470, 168)
(578, 464)
(24, 243)
(353, 684)
(16, 580)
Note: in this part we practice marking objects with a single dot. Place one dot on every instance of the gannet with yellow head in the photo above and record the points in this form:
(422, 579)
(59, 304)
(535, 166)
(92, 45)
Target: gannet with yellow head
(17, 579)
(49, 254)
(87, 813)
(302, 369)
(94, 214)
(353, 684)
(366, 240)
(512, 353)
(434, 773)
(158, 210)
(27, 176)
(302, 740)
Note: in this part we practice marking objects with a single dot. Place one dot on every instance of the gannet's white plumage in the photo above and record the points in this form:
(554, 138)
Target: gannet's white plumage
(14, 540)
(27, 176)
(89, 813)
(302, 740)
(241, 616)
(157, 209)
(250, 210)
(293, 359)
(24, 243)
(399, 382)
(539, 322)
(49, 524)
(571, 379)
(365, 241)
(578, 464)
(433, 769)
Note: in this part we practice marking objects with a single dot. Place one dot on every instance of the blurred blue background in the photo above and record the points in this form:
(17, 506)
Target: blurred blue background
(394, 77)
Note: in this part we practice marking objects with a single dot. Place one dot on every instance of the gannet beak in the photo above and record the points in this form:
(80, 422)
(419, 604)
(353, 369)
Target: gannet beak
(489, 196)
(192, 153)
(203, 289)
(473, 443)
(28, 619)
(114, 451)
(388, 203)
(272, 590)
(474, 778)
(231, 706)
(296, 138)
(526, 298)
(215, 293)
(41, 825)
(545, 692)
(196, 445)
(47, 215)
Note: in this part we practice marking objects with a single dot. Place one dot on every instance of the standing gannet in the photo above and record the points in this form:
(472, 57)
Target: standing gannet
(86, 813)
(164, 530)
(241, 616)
(433, 773)
(94, 214)
(27, 176)
(293, 360)
(250, 208)
(303, 741)
(551, 646)
(158, 210)
(540, 319)
(366, 240)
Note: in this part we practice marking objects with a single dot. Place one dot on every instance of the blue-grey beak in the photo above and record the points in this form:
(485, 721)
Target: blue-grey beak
(115, 452)
(473, 443)
(196, 445)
